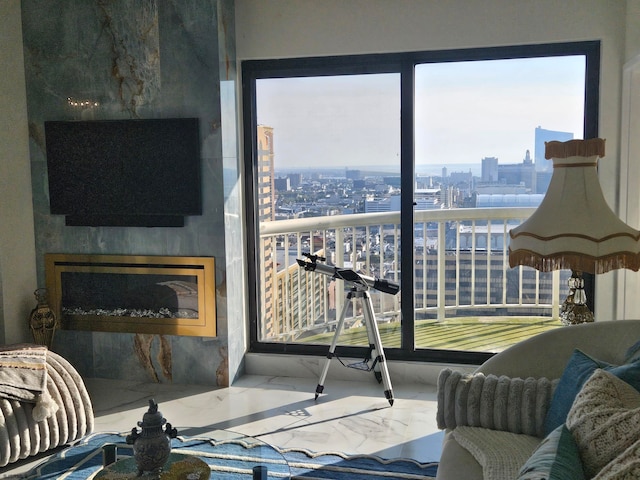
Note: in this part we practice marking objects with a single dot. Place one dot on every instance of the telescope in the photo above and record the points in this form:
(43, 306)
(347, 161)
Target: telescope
(347, 275)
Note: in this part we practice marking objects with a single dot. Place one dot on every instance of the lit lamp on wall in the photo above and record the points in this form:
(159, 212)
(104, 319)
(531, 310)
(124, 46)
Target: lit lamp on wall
(574, 227)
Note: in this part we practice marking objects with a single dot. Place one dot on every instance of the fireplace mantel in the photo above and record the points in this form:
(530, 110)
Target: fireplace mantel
(133, 293)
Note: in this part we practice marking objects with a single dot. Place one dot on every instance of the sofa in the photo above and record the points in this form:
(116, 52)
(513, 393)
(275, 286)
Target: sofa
(43, 402)
(533, 408)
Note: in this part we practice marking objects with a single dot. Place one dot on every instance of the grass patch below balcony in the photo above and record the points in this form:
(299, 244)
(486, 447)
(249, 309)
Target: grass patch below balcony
(478, 334)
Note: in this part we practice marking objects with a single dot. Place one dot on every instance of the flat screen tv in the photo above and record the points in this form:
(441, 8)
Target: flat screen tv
(124, 172)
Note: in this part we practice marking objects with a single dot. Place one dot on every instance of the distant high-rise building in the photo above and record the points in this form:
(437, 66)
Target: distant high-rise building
(489, 169)
(295, 179)
(282, 184)
(266, 180)
(266, 213)
(519, 174)
(280, 287)
(542, 135)
(543, 179)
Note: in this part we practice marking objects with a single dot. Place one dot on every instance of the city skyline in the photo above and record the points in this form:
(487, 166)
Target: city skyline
(467, 111)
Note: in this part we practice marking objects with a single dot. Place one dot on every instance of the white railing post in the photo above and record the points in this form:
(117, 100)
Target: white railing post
(442, 277)
(555, 294)
(339, 252)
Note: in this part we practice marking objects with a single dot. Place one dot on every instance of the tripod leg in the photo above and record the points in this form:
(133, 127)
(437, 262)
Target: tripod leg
(332, 348)
(381, 370)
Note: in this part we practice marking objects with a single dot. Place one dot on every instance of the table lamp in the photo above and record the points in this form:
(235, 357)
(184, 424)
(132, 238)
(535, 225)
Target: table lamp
(574, 227)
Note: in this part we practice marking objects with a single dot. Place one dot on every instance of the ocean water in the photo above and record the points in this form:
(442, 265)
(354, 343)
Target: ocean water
(434, 169)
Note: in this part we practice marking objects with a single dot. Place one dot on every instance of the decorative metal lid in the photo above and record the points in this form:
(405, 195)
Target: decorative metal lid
(153, 417)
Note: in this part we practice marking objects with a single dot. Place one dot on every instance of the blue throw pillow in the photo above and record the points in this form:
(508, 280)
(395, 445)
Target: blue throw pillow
(576, 373)
(633, 353)
(556, 458)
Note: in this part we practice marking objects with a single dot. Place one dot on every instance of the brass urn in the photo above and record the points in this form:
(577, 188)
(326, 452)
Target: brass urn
(152, 444)
(42, 320)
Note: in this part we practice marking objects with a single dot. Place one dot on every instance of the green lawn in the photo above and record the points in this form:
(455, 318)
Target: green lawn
(482, 334)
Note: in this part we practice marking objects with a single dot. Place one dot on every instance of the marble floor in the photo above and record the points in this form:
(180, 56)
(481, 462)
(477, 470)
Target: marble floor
(350, 416)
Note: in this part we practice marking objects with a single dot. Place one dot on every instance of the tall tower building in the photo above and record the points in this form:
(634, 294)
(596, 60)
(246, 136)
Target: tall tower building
(266, 177)
(542, 135)
(266, 213)
(281, 316)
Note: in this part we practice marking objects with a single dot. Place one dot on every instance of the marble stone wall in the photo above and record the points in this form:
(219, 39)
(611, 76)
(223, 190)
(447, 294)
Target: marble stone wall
(139, 59)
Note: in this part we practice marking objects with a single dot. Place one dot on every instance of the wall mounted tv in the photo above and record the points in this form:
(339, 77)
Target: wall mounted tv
(143, 173)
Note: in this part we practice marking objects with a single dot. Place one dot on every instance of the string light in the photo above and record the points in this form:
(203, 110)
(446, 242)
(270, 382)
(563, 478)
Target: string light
(84, 104)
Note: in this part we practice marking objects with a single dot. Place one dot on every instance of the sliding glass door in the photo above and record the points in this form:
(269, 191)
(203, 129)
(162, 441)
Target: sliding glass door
(344, 154)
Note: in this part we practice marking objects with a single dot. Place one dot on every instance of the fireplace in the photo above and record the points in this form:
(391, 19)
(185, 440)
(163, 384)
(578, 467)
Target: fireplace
(135, 294)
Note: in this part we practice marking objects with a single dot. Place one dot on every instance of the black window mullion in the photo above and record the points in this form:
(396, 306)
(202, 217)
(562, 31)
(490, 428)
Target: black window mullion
(407, 173)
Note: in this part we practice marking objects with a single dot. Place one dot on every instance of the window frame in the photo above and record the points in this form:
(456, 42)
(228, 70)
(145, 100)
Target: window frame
(404, 64)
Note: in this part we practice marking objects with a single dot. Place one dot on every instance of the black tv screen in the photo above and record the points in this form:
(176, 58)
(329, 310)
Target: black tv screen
(124, 172)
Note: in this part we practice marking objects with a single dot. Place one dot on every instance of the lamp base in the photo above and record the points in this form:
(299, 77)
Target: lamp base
(574, 310)
(574, 314)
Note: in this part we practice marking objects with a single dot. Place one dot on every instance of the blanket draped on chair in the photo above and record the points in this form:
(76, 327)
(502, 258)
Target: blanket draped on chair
(43, 402)
(23, 377)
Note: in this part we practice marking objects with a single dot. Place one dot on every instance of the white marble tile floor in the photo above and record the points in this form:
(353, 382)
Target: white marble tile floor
(351, 417)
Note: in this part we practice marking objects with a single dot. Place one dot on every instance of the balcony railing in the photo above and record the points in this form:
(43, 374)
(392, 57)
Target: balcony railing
(460, 268)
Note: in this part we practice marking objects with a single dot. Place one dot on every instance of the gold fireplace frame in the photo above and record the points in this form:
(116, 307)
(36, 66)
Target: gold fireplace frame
(201, 267)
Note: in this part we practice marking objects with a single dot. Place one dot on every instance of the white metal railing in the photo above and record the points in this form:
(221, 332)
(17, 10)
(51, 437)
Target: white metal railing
(460, 264)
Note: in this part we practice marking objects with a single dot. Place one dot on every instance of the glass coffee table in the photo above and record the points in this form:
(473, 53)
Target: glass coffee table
(226, 454)
(178, 467)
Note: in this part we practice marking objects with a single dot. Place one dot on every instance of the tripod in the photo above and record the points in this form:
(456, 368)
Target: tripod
(376, 353)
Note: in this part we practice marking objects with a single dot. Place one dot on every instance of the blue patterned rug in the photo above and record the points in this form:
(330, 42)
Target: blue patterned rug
(234, 460)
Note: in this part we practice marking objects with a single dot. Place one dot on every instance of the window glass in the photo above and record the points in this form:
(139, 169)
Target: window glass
(480, 128)
(325, 147)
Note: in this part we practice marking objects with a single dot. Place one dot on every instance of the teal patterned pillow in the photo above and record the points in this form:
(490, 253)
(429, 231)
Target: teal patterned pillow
(556, 458)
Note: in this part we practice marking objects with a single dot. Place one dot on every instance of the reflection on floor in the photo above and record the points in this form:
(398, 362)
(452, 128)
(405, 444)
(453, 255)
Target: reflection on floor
(351, 417)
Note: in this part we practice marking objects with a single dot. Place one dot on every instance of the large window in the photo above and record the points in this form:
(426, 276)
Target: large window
(412, 168)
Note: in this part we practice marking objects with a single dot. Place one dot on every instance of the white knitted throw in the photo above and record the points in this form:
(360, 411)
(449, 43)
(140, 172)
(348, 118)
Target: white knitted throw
(625, 466)
(501, 454)
(604, 420)
(514, 405)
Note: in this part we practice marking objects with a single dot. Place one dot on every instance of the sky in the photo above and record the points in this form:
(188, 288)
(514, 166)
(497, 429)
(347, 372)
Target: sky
(465, 111)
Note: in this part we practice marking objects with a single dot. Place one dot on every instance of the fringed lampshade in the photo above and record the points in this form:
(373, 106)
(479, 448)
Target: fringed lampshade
(574, 227)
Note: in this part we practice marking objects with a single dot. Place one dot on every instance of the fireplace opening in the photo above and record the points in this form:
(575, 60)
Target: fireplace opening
(137, 294)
